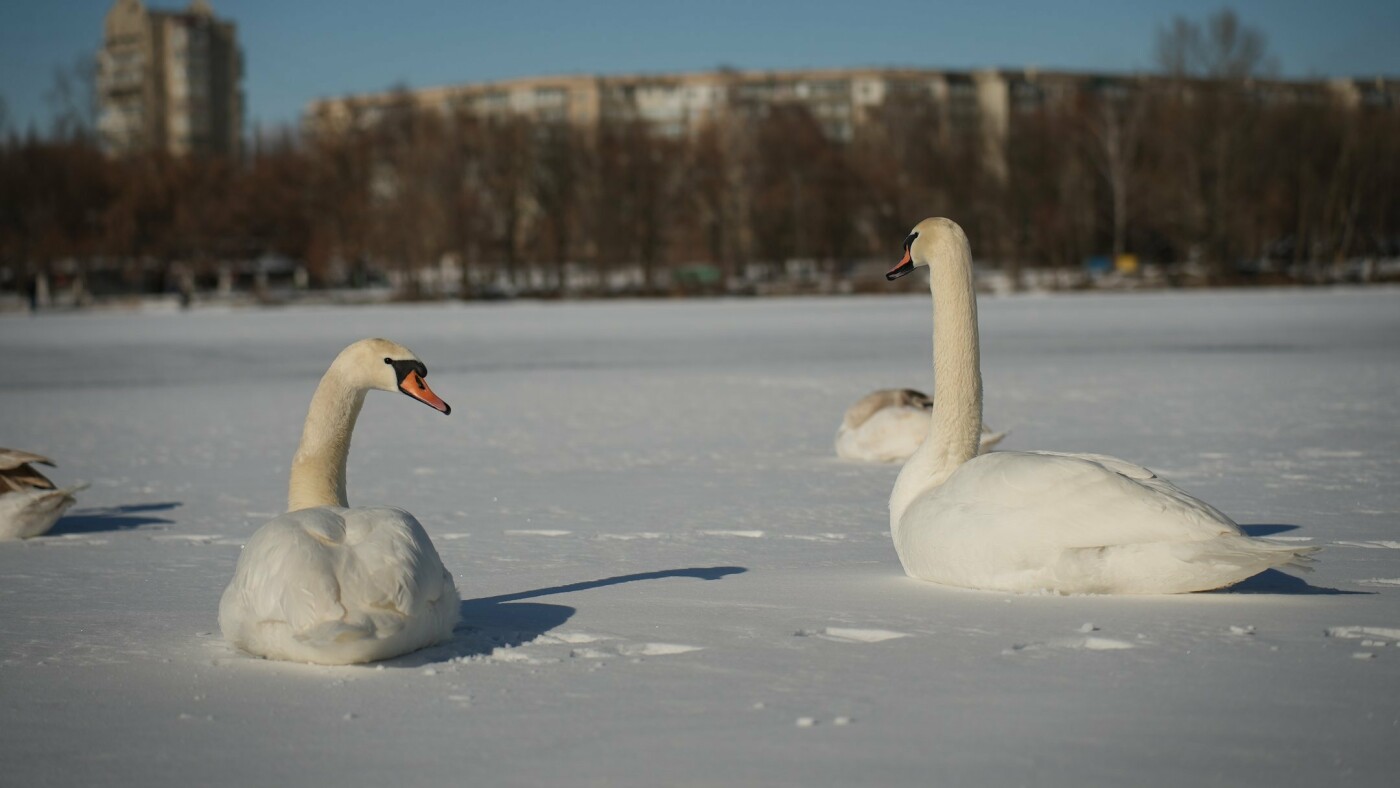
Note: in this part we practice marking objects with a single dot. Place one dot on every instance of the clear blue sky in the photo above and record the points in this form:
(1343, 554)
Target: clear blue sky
(297, 50)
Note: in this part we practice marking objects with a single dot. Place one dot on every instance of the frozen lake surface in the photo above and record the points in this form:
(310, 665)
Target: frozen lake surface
(671, 579)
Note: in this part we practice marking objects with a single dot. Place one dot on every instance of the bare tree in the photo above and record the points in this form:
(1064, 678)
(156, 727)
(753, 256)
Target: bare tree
(72, 99)
(1112, 125)
(1222, 48)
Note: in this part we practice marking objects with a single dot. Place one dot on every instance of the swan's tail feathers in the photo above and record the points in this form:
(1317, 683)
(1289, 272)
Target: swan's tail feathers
(1229, 559)
(79, 487)
(1176, 567)
(990, 439)
(1300, 558)
(330, 633)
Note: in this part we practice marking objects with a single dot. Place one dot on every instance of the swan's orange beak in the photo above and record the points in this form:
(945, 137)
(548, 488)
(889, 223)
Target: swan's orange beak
(414, 386)
(906, 265)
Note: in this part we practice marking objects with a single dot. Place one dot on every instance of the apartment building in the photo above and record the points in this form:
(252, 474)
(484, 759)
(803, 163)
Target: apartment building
(986, 101)
(169, 80)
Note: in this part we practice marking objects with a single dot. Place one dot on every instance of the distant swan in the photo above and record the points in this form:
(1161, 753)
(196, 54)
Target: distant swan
(327, 583)
(1032, 521)
(889, 424)
(29, 503)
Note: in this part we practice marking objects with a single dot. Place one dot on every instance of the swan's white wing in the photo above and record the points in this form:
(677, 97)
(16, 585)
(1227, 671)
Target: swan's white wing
(287, 572)
(1078, 500)
(888, 435)
(989, 439)
(1022, 521)
(392, 565)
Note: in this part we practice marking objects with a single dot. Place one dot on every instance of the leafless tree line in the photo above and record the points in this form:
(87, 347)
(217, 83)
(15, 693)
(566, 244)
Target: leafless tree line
(1194, 165)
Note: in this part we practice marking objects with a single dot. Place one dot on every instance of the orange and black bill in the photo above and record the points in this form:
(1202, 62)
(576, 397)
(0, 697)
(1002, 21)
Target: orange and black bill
(415, 386)
(410, 373)
(906, 263)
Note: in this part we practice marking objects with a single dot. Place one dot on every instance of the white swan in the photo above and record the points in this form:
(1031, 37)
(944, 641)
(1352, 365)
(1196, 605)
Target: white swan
(889, 424)
(1032, 521)
(29, 502)
(326, 583)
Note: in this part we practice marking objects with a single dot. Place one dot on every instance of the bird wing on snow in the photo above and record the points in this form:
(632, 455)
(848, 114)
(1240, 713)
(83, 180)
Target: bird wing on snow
(392, 571)
(13, 458)
(287, 572)
(1084, 500)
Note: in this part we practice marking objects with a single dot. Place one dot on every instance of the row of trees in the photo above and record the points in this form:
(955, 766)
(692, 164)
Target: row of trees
(1194, 166)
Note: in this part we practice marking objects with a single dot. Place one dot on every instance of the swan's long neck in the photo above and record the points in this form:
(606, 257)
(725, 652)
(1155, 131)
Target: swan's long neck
(956, 427)
(318, 469)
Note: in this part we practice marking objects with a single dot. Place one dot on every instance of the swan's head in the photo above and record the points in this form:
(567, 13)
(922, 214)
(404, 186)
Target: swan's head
(389, 366)
(922, 243)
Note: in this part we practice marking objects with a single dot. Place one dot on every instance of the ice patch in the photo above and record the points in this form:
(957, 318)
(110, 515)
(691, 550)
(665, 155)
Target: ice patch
(1380, 581)
(1073, 644)
(1101, 644)
(853, 635)
(451, 537)
(574, 638)
(1338, 454)
(66, 540)
(744, 534)
(654, 649)
(537, 532)
(190, 538)
(629, 537)
(518, 657)
(589, 653)
(1244, 630)
(1379, 544)
(1362, 632)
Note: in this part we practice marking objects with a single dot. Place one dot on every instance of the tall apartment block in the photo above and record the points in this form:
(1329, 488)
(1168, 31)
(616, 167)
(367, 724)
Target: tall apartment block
(169, 80)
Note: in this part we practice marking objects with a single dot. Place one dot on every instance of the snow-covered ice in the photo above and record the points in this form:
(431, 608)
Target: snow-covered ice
(641, 508)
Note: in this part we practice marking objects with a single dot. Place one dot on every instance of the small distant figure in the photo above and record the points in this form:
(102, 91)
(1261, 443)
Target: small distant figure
(31, 288)
(29, 503)
(889, 424)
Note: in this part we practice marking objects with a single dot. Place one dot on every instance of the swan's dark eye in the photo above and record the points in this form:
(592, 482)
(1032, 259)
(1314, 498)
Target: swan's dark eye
(402, 369)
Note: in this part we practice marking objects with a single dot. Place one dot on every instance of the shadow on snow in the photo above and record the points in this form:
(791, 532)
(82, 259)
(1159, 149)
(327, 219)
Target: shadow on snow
(111, 518)
(503, 621)
(1272, 581)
